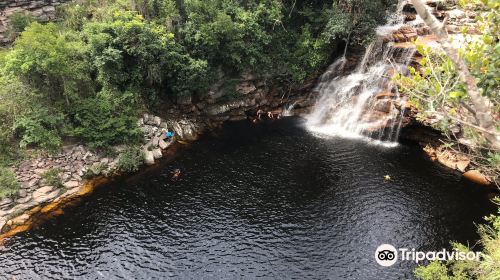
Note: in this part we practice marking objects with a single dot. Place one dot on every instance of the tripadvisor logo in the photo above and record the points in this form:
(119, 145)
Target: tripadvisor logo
(388, 255)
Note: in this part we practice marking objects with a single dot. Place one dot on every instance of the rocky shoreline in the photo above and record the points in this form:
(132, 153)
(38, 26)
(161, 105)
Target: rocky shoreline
(80, 170)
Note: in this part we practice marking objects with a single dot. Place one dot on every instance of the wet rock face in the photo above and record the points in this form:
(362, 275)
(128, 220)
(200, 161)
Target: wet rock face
(42, 10)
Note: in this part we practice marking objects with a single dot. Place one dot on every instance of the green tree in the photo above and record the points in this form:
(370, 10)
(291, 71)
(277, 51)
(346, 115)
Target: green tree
(52, 61)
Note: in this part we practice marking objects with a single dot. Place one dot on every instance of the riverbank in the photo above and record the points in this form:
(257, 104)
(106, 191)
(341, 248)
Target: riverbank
(80, 170)
(77, 170)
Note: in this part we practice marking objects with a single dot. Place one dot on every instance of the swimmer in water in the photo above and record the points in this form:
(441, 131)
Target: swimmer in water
(176, 174)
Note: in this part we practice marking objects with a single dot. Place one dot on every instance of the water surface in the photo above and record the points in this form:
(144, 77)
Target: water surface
(265, 201)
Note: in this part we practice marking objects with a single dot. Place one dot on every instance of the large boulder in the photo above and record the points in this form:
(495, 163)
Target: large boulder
(42, 195)
(157, 153)
(149, 158)
(163, 145)
(477, 177)
(245, 87)
(71, 184)
(187, 129)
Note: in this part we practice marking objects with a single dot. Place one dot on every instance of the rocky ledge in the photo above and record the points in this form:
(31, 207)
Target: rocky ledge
(42, 10)
(76, 167)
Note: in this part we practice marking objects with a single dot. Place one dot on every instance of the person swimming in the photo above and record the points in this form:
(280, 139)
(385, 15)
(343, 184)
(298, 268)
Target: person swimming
(176, 174)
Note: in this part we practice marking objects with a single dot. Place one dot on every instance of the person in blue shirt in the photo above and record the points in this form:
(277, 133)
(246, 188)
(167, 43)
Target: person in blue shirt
(170, 135)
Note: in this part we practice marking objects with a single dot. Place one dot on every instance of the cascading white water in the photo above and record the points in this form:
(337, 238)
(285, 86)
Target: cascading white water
(287, 110)
(364, 104)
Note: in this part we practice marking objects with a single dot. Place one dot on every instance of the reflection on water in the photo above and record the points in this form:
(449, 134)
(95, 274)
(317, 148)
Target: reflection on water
(267, 201)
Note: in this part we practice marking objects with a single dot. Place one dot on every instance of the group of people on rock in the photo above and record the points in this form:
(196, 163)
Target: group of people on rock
(270, 115)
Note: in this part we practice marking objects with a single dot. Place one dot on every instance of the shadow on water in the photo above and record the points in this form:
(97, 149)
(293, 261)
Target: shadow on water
(267, 200)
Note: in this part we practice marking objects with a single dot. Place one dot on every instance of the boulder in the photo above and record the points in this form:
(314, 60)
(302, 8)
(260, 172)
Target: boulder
(45, 197)
(22, 193)
(42, 190)
(5, 202)
(71, 184)
(186, 130)
(163, 145)
(149, 158)
(156, 121)
(24, 200)
(145, 118)
(477, 177)
(20, 220)
(40, 171)
(2, 223)
(245, 87)
(157, 154)
(154, 142)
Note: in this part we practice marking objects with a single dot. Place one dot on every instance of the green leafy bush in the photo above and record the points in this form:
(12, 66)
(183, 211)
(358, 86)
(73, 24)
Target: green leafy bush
(435, 87)
(52, 177)
(132, 54)
(8, 182)
(20, 20)
(52, 61)
(131, 159)
(94, 170)
(234, 35)
(39, 130)
(488, 268)
(107, 119)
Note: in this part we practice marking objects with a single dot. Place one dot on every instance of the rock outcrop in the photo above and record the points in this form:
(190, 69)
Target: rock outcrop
(76, 164)
(42, 10)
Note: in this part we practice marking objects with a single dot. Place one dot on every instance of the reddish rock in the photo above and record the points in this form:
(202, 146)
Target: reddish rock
(385, 95)
(477, 177)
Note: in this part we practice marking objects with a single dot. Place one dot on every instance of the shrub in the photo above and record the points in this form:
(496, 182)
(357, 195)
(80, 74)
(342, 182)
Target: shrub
(108, 119)
(39, 132)
(20, 20)
(8, 182)
(94, 170)
(131, 159)
(52, 177)
(487, 268)
(51, 61)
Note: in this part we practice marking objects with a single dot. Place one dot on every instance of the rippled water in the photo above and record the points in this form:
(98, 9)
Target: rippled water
(268, 201)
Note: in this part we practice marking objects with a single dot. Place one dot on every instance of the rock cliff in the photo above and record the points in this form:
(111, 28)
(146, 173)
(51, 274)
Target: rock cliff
(41, 10)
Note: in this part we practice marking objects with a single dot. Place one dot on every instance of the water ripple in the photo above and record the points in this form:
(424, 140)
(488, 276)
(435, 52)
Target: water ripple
(268, 201)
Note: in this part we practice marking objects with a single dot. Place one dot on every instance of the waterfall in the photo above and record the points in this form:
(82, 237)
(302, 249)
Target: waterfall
(364, 104)
(287, 111)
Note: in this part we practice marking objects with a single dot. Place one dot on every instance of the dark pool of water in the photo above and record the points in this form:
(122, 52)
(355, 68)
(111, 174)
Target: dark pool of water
(268, 201)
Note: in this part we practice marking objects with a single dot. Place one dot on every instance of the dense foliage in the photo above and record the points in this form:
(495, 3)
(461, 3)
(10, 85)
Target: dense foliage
(441, 97)
(8, 183)
(52, 177)
(131, 159)
(92, 72)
